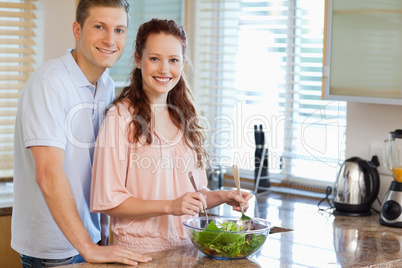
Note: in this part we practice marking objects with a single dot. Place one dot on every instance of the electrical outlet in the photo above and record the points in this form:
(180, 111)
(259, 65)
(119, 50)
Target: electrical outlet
(377, 148)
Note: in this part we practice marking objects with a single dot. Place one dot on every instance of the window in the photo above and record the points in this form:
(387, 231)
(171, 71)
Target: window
(260, 62)
(142, 11)
(16, 60)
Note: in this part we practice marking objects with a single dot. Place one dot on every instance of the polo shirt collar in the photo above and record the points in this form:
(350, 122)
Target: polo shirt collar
(76, 72)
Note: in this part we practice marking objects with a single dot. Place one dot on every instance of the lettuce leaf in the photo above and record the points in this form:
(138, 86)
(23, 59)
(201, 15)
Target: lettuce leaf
(227, 245)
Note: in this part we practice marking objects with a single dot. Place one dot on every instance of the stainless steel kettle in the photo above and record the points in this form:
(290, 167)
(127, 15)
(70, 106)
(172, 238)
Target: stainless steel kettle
(356, 187)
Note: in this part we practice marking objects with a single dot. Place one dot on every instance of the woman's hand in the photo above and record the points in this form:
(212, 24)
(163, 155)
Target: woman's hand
(233, 199)
(190, 203)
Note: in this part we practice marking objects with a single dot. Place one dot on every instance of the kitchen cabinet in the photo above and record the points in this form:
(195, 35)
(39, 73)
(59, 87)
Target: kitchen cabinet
(363, 51)
(8, 257)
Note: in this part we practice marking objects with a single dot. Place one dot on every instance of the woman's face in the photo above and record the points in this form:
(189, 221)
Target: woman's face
(161, 64)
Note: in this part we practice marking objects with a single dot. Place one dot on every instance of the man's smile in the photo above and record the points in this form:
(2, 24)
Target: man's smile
(105, 51)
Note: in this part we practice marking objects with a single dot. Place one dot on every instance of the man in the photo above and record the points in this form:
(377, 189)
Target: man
(59, 114)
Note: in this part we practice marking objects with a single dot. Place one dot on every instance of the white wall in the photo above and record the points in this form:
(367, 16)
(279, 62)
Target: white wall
(56, 20)
(370, 124)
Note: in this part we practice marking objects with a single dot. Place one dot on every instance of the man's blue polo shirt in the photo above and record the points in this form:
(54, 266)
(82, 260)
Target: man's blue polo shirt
(60, 108)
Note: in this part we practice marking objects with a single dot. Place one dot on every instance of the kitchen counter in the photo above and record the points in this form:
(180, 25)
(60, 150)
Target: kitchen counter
(308, 237)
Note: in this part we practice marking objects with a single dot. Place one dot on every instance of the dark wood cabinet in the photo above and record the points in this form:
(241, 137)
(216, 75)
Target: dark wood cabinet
(8, 257)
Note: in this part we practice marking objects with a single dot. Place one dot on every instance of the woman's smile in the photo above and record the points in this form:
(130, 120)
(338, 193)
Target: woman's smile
(162, 80)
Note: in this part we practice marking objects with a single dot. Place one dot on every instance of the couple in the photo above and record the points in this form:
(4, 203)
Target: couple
(65, 173)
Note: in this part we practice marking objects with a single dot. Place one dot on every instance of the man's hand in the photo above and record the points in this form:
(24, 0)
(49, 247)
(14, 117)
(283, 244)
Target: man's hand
(114, 254)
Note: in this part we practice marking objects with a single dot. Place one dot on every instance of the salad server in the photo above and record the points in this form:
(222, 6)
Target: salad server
(245, 221)
(190, 175)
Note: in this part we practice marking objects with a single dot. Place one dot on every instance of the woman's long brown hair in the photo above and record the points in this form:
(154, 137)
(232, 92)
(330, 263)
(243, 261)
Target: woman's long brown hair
(179, 99)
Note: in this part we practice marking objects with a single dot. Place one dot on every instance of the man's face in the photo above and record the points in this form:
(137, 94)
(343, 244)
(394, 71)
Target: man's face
(101, 40)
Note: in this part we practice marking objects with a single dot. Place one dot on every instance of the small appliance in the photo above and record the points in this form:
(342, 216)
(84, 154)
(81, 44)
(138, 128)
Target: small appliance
(356, 187)
(391, 211)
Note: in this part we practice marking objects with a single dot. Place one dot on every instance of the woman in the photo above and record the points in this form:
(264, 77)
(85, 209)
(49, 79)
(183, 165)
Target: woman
(149, 142)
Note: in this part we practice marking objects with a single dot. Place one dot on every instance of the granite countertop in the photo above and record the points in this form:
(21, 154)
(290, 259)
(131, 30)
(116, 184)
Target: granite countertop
(304, 236)
(308, 237)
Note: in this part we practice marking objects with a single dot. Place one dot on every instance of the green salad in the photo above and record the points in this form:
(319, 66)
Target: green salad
(227, 245)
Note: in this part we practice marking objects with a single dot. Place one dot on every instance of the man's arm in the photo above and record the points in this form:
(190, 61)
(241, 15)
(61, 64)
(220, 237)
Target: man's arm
(59, 198)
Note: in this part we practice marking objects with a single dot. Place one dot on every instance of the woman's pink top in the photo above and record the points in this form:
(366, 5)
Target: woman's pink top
(151, 172)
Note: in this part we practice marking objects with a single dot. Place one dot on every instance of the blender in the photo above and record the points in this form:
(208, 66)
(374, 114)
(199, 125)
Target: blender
(391, 211)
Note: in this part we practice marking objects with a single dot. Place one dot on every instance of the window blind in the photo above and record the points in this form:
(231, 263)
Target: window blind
(215, 43)
(142, 11)
(17, 25)
(260, 62)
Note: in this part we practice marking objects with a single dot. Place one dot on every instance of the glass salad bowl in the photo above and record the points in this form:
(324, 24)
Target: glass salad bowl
(221, 239)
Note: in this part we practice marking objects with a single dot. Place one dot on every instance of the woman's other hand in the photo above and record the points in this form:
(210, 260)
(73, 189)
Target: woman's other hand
(233, 199)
